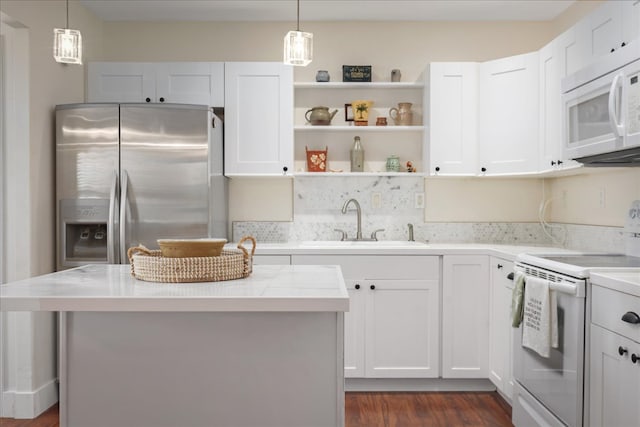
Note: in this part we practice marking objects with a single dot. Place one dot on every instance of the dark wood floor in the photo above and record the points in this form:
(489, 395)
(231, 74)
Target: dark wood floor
(385, 410)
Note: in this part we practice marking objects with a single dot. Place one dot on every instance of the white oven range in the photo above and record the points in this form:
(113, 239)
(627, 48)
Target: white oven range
(552, 391)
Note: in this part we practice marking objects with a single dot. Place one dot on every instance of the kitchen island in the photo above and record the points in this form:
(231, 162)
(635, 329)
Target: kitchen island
(262, 351)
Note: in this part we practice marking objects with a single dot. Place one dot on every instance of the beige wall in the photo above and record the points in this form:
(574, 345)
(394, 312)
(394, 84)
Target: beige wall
(50, 83)
(598, 197)
(482, 200)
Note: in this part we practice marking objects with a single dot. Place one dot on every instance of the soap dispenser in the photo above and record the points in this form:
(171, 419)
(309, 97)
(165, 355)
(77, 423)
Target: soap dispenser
(357, 156)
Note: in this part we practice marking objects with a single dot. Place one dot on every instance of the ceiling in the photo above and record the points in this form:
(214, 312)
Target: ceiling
(327, 10)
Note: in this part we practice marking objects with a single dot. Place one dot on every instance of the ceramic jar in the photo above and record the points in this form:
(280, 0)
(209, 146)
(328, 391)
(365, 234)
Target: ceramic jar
(393, 164)
(402, 116)
(322, 76)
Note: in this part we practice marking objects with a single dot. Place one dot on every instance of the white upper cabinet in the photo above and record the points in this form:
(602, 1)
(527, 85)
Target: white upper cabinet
(630, 21)
(571, 52)
(610, 27)
(555, 59)
(172, 82)
(121, 82)
(508, 115)
(453, 114)
(258, 118)
(191, 83)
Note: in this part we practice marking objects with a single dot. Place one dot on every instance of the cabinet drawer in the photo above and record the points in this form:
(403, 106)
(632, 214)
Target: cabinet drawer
(608, 307)
(376, 267)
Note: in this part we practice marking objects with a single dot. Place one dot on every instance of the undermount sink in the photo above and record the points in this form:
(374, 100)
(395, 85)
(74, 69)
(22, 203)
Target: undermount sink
(360, 243)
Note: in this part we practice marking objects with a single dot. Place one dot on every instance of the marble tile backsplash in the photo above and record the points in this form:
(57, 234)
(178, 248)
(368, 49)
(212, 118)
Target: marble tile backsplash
(389, 203)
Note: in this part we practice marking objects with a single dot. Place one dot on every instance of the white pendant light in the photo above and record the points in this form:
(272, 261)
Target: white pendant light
(298, 45)
(67, 44)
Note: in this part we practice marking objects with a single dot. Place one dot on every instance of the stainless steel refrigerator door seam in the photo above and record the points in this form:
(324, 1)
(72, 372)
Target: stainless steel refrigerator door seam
(111, 225)
(123, 215)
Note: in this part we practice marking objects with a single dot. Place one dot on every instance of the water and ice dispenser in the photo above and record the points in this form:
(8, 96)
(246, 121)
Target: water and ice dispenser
(83, 231)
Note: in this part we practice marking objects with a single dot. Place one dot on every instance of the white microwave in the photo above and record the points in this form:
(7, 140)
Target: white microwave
(601, 107)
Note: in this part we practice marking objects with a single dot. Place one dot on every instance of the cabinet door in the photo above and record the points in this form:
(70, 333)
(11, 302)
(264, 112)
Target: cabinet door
(571, 51)
(453, 121)
(500, 330)
(508, 125)
(631, 21)
(614, 380)
(121, 82)
(191, 83)
(258, 118)
(465, 316)
(401, 329)
(354, 330)
(550, 107)
(602, 30)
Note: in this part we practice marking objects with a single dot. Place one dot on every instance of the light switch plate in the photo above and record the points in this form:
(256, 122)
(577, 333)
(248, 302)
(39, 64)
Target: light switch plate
(376, 200)
(418, 200)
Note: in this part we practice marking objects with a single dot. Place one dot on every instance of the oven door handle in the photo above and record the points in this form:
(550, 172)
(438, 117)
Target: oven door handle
(565, 288)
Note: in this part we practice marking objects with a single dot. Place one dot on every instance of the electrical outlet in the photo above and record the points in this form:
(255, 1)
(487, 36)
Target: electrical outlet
(376, 200)
(564, 198)
(602, 198)
(418, 200)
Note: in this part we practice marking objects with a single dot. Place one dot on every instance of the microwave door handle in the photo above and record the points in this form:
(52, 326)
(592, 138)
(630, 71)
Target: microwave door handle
(123, 216)
(111, 225)
(616, 126)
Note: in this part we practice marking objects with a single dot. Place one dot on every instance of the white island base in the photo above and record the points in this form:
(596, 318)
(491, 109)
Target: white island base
(262, 351)
(201, 369)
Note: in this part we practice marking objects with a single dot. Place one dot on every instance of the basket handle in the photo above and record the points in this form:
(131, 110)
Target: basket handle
(243, 249)
(132, 251)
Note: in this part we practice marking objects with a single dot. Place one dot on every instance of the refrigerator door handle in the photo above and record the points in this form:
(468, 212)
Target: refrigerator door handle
(123, 215)
(112, 254)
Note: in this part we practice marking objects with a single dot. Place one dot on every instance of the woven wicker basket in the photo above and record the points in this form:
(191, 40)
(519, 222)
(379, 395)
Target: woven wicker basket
(151, 266)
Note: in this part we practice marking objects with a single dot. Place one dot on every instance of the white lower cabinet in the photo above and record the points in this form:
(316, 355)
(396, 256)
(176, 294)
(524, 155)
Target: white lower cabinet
(465, 316)
(614, 370)
(500, 329)
(615, 380)
(392, 327)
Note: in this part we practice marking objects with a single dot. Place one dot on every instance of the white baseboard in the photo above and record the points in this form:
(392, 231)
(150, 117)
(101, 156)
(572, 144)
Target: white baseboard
(418, 384)
(29, 404)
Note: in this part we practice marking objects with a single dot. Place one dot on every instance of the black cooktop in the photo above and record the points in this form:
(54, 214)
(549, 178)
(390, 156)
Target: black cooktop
(595, 260)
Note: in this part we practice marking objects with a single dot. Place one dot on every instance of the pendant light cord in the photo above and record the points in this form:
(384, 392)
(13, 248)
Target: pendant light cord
(297, 16)
(67, 27)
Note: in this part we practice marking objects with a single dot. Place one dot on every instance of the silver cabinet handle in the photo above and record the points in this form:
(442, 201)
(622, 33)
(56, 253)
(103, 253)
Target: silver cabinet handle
(123, 215)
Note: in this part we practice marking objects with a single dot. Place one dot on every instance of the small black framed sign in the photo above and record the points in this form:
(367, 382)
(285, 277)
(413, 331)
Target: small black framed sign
(356, 73)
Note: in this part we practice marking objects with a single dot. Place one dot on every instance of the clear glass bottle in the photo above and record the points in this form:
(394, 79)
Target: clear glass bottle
(357, 156)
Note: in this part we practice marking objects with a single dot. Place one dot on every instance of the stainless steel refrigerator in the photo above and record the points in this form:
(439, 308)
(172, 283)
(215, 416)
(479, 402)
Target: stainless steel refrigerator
(129, 174)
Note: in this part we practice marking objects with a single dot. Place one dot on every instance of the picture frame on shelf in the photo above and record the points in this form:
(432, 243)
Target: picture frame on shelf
(356, 73)
(348, 113)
